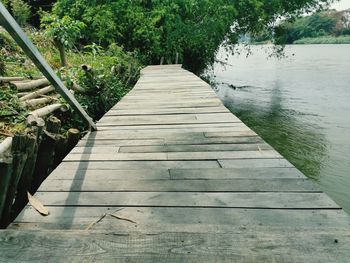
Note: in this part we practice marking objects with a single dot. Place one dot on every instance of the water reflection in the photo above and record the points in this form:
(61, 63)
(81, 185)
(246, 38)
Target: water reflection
(299, 142)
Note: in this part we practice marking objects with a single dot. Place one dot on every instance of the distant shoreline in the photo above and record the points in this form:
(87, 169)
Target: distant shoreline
(331, 40)
(323, 40)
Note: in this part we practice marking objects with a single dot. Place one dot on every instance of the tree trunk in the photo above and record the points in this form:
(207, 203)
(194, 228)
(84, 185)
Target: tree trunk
(62, 51)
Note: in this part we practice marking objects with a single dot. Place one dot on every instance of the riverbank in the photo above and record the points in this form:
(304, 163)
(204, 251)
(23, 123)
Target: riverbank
(323, 40)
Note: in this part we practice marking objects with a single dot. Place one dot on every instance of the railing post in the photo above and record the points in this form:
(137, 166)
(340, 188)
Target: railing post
(9, 23)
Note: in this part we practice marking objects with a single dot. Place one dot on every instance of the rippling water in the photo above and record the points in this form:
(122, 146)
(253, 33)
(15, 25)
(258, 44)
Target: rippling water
(299, 104)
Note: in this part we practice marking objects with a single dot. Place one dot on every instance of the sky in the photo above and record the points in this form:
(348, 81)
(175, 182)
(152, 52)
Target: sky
(341, 5)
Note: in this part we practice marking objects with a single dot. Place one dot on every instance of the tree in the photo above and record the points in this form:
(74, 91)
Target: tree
(19, 9)
(63, 31)
(193, 28)
(316, 25)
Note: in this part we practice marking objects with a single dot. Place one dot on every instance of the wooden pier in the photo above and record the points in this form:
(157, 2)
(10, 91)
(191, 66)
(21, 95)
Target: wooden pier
(172, 176)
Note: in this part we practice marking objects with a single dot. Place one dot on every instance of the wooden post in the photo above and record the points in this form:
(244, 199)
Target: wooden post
(25, 180)
(73, 137)
(9, 23)
(161, 60)
(5, 172)
(46, 152)
(19, 144)
(177, 58)
(60, 150)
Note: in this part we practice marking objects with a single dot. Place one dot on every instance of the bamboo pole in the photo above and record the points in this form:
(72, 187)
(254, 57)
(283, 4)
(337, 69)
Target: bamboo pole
(9, 79)
(42, 101)
(21, 94)
(23, 86)
(47, 110)
(37, 93)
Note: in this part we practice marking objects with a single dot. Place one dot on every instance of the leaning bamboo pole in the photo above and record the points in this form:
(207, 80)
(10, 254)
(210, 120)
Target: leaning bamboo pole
(23, 86)
(9, 79)
(37, 93)
(42, 101)
(48, 109)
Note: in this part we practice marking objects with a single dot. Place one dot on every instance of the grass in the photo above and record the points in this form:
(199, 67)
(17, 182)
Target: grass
(324, 40)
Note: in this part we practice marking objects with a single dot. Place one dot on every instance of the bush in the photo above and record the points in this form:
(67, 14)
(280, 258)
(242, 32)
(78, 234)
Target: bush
(21, 11)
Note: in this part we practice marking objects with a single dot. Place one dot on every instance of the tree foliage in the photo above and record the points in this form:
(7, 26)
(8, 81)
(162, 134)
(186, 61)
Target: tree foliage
(318, 25)
(161, 28)
(63, 31)
(19, 9)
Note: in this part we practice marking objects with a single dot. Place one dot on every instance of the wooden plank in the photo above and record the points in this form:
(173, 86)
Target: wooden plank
(126, 112)
(163, 156)
(94, 184)
(170, 141)
(188, 199)
(246, 163)
(240, 245)
(169, 135)
(130, 165)
(235, 173)
(192, 220)
(174, 126)
(193, 148)
(136, 129)
(168, 119)
(175, 174)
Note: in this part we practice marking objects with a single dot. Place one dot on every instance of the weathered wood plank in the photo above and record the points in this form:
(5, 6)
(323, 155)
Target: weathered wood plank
(235, 173)
(245, 163)
(192, 220)
(170, 141)
(163, 156)
(188, 199)
(195, 148)
(104, 175)
(129, 165)
(93, 184)
(163, 134)
(175, 174)
(241, 245)
(171, 148)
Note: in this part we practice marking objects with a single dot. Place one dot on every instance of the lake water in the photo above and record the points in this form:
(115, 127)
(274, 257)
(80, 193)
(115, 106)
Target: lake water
(299, 104)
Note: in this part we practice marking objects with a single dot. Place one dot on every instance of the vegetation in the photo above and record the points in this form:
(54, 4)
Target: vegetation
(161, 28)
(63, 31)
(322, 27)
(113, 38)
(112, 72)
(324, 40)
(20, 10)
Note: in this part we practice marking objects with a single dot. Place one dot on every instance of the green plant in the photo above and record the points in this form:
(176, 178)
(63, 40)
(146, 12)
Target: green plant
(194, 29)
(21, 11)
(63, 31)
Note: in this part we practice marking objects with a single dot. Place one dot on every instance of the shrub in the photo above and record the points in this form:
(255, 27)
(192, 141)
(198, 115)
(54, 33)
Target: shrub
(21, 11)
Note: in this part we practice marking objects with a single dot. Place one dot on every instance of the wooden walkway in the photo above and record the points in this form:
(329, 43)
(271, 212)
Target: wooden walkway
(172, 176)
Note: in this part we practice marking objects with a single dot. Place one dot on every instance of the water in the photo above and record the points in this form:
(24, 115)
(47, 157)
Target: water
(299, 104)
